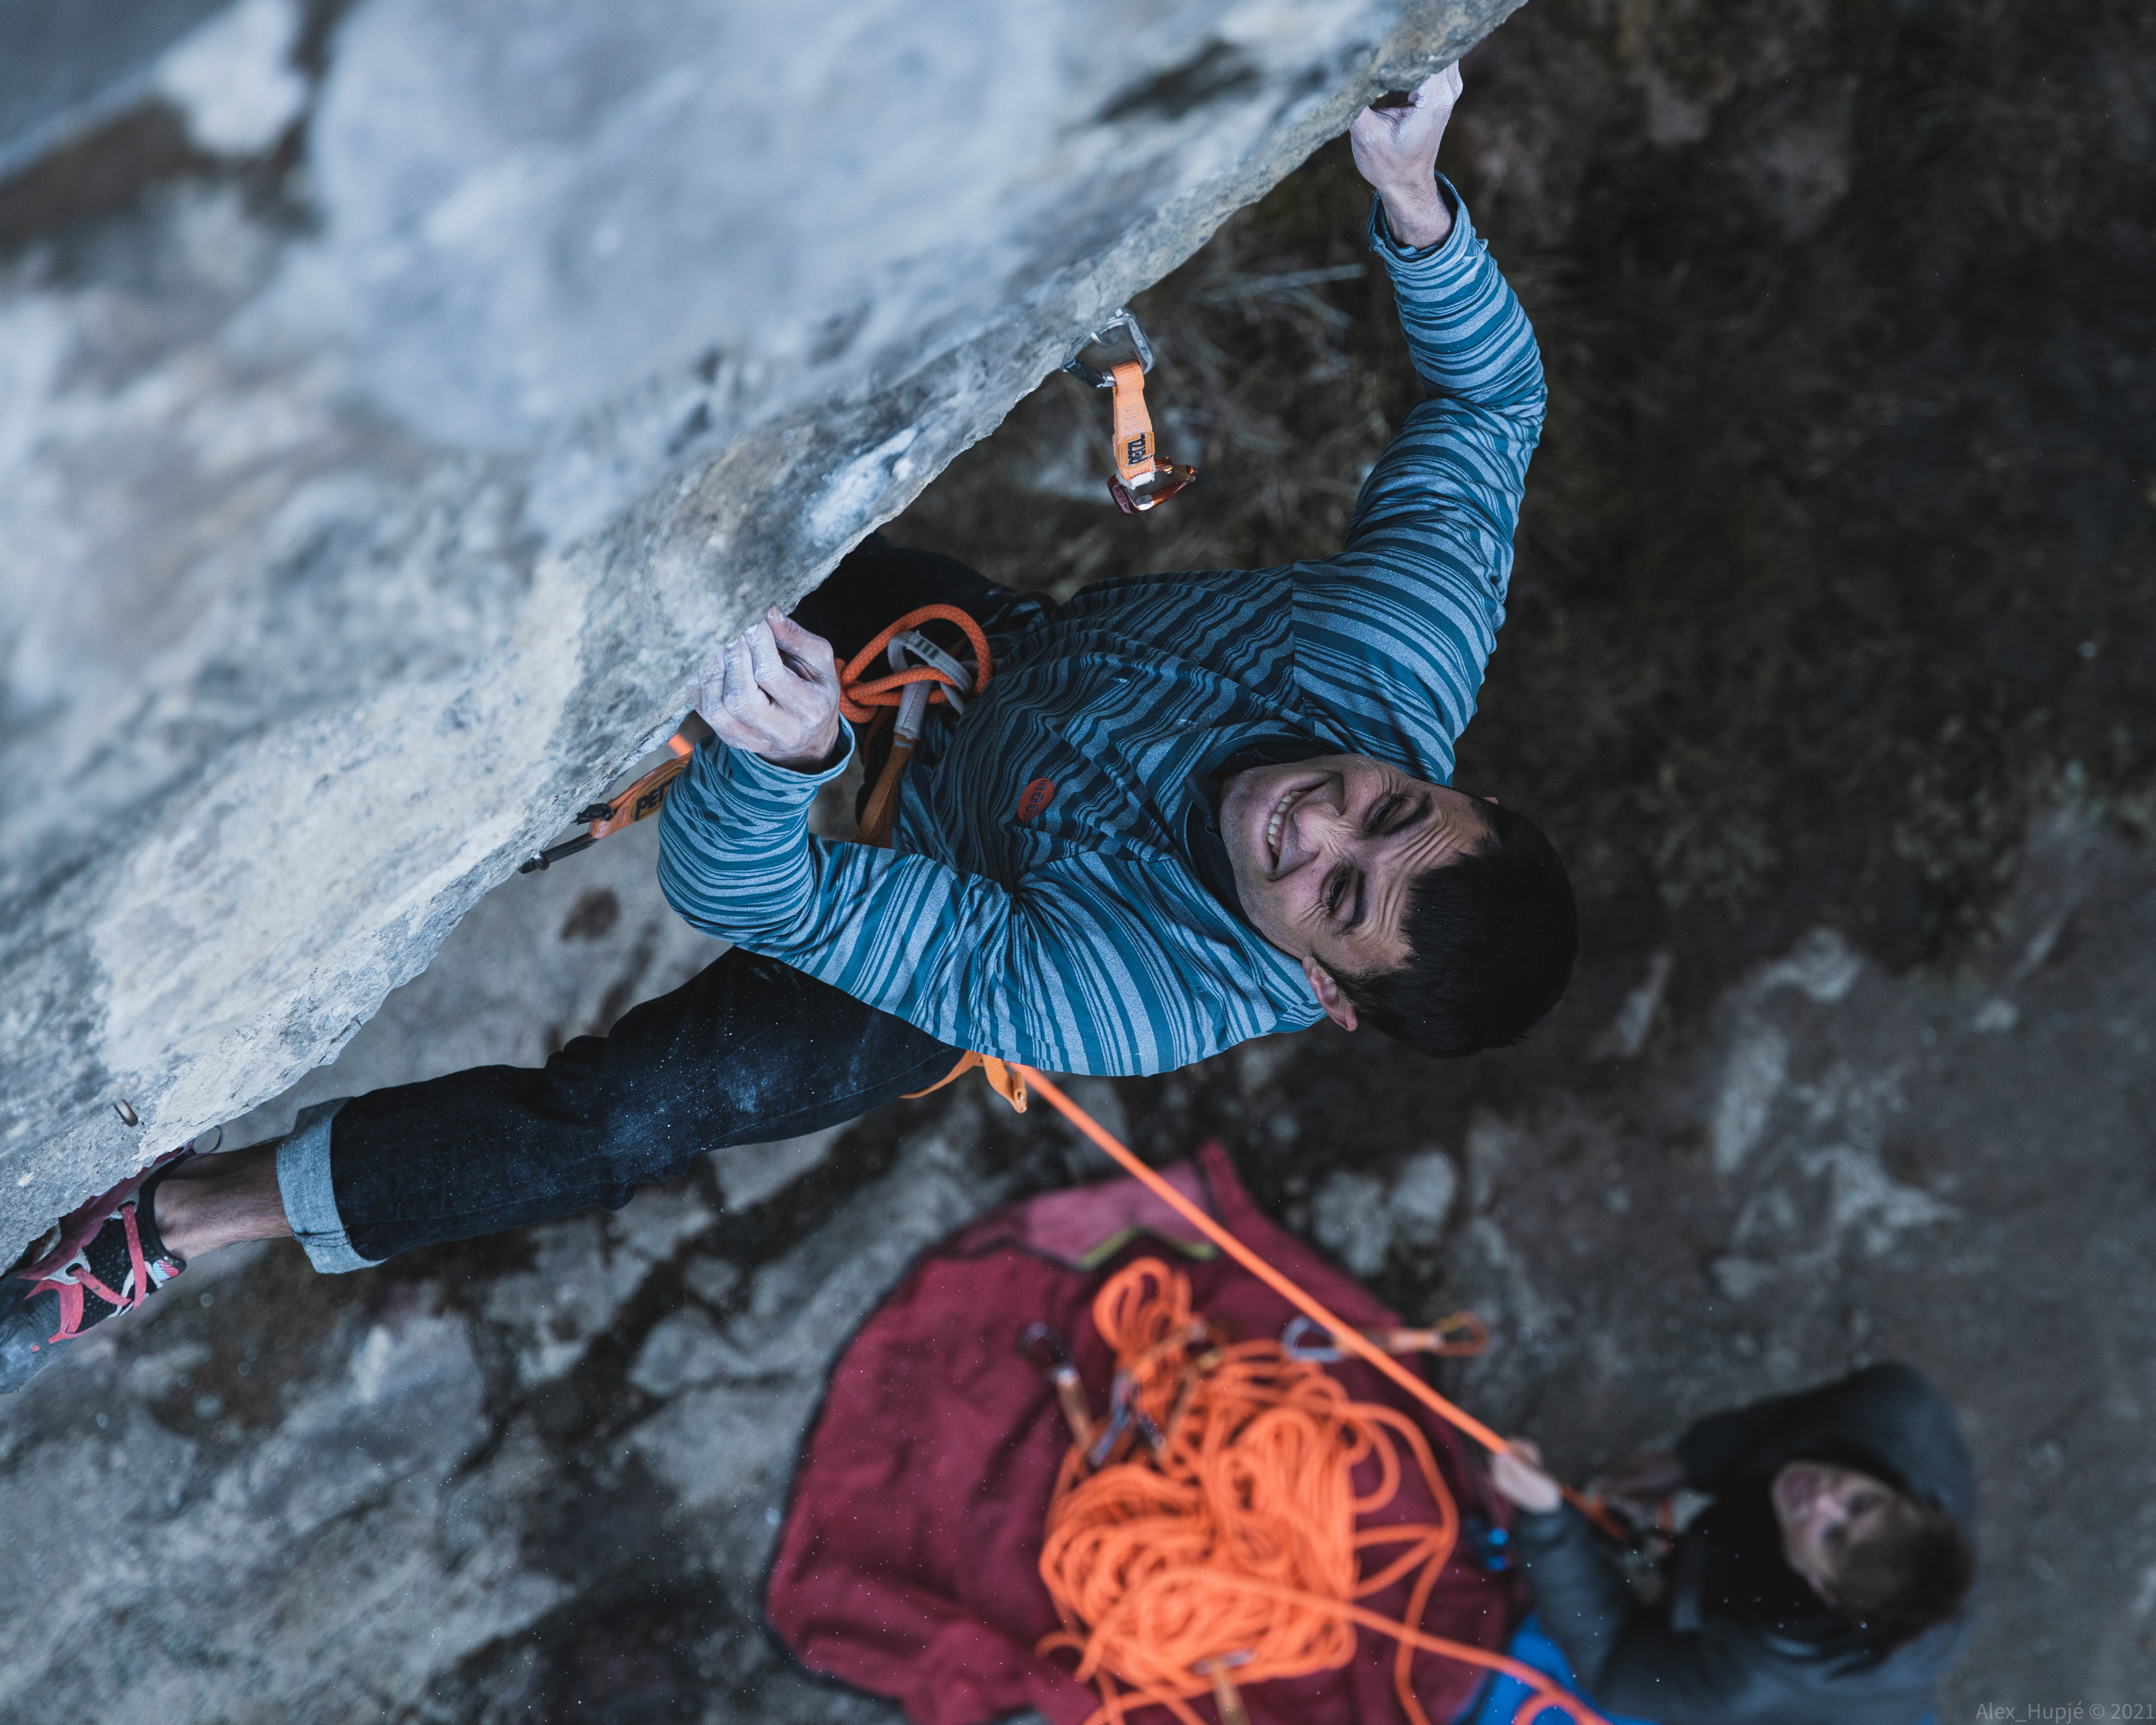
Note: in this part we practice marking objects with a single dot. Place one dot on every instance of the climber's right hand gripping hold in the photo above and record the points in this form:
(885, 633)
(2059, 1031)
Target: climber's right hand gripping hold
(1518, 1473)
(775, 693)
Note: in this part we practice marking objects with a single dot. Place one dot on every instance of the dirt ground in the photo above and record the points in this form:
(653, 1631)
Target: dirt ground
(1829, 666)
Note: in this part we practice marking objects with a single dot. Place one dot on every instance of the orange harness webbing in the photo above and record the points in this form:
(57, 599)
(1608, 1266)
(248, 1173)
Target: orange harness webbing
(864, 698)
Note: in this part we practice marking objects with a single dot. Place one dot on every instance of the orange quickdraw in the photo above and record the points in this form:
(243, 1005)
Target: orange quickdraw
(1143, 480)
(639, 802)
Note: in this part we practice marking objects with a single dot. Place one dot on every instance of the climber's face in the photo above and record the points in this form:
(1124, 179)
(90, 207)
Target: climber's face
(1325, 852)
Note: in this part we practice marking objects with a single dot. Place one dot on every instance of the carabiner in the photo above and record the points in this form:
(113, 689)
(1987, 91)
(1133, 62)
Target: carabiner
(1143, 480)
(1047, 1352)
(1460, 1333)
(1123, 320)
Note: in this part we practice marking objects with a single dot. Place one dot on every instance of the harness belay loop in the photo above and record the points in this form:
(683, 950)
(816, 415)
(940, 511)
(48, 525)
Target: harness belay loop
(1142, 480)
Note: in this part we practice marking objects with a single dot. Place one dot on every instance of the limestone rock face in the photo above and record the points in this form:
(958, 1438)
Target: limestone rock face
(369, 486)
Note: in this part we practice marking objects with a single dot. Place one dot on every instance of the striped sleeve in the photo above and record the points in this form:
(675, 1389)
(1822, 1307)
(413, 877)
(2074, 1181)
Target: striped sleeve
(1392, 635)
(1090, 966)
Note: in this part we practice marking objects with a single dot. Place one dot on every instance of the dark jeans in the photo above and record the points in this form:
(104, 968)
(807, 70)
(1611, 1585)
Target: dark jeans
(749, 1051)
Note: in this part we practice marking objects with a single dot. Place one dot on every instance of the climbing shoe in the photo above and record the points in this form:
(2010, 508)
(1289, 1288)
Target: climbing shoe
(108, 1257)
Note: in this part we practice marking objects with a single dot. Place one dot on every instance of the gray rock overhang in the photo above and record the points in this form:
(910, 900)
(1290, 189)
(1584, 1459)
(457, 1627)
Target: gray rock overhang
(347, 555)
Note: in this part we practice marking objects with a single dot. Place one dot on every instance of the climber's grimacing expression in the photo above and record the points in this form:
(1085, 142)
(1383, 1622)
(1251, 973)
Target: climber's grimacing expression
(1324, 853)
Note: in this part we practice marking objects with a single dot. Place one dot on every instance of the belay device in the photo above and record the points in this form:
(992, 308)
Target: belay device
(1143, 480)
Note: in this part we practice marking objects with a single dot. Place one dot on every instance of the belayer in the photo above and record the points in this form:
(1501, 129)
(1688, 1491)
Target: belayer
(1188, 809)
(1828, 1583)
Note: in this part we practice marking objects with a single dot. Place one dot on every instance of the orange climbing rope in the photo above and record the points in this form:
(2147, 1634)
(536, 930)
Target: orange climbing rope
(1345, 1336)
(905, 697)
(859, 694)
(1225, 1550)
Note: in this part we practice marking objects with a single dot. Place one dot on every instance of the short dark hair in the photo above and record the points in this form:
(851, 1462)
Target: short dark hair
(1491, 942)
(1912, 1574)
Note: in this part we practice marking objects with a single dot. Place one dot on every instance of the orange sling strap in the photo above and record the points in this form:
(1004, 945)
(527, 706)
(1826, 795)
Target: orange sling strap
(1142, 480)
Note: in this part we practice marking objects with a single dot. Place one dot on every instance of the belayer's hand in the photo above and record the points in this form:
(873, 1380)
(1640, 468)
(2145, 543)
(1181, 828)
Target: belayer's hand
(1396, 151)
(1518, 1473)
(775, 693)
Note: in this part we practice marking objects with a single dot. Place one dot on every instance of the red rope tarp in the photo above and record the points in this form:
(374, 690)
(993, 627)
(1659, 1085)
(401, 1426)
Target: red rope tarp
(908, 1563)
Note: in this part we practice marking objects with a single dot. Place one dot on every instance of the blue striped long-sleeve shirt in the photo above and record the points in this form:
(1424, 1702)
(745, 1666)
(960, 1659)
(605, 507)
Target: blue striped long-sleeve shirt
(1080, 939)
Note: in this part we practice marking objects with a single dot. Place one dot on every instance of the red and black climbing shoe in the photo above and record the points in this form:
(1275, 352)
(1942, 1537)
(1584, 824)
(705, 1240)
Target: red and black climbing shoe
(108, 1259)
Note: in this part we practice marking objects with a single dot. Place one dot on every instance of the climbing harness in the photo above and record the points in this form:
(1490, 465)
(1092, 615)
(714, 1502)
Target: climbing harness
(1208, 1534)
(918, 675)
(1143, 480)
(931, 677)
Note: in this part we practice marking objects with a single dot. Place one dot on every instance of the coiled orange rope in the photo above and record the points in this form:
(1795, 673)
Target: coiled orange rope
(1229, 1543)
(862, 697)
(1153, 1576)
(1348, 1339)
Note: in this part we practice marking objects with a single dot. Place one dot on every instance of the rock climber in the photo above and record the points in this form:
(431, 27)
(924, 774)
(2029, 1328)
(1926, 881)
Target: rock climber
(1828, 1583)
(1188, 809)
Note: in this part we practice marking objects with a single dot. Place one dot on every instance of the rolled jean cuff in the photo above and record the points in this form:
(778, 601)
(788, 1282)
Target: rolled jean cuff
(303, 1181)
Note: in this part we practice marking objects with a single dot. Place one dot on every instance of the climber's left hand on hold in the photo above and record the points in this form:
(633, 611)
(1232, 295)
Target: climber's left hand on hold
(775, 693)
(1396, 151)
(1518, 1473)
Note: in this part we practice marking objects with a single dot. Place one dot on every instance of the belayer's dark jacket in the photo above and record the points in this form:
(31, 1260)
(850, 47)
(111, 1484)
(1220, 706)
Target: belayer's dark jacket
(1739, 1638)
